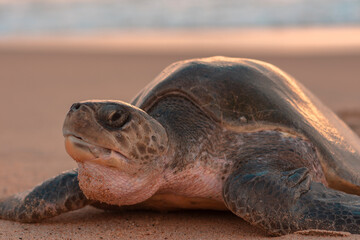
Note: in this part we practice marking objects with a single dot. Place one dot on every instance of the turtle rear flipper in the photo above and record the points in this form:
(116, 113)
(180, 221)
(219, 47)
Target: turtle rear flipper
(51, 198)
(289, 201)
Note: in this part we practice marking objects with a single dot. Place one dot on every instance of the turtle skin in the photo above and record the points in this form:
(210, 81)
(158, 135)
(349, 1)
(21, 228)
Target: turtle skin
(51, 198)
(283, 202)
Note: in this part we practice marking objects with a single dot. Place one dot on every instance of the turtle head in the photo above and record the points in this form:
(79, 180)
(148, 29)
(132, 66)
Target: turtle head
(119, 148)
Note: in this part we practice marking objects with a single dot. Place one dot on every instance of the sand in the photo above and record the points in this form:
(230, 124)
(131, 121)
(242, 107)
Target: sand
(38, 85)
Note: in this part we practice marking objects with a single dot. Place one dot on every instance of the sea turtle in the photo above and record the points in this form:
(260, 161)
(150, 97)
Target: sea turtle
(213, 133)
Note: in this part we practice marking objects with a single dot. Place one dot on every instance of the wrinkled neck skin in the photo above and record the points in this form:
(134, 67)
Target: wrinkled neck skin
(196, 165)
(124, 189)
(199, 173)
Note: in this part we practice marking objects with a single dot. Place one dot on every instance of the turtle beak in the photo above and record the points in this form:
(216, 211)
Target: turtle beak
(78, 149)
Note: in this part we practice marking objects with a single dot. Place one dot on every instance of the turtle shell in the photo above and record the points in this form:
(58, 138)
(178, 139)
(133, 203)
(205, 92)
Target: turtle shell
(236, 92)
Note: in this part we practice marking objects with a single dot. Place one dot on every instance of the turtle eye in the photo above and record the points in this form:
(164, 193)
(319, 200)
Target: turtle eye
(113, 116)
(117, 118)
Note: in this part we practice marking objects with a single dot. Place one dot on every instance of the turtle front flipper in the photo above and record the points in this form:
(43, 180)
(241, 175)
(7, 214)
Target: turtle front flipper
(289, 201)
(51, 198)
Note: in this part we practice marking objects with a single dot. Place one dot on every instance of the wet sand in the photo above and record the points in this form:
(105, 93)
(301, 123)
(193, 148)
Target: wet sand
(38, 85)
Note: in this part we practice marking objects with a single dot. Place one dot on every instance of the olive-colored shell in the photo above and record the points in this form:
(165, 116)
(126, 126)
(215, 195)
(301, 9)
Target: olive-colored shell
(237, 92)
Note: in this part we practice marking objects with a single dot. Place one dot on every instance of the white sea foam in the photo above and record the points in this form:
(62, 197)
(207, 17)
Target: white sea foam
(45, 16)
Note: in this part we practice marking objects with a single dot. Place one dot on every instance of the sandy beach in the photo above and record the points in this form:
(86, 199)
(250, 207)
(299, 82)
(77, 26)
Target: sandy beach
(39, 80)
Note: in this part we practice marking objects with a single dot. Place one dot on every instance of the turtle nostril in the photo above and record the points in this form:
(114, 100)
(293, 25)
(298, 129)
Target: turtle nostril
(75, 107)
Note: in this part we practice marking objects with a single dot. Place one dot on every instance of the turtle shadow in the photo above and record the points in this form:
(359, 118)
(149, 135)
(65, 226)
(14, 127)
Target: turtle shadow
(198, 224)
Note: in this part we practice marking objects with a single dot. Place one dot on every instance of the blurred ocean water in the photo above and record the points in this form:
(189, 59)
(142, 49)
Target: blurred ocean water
(82, 16)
